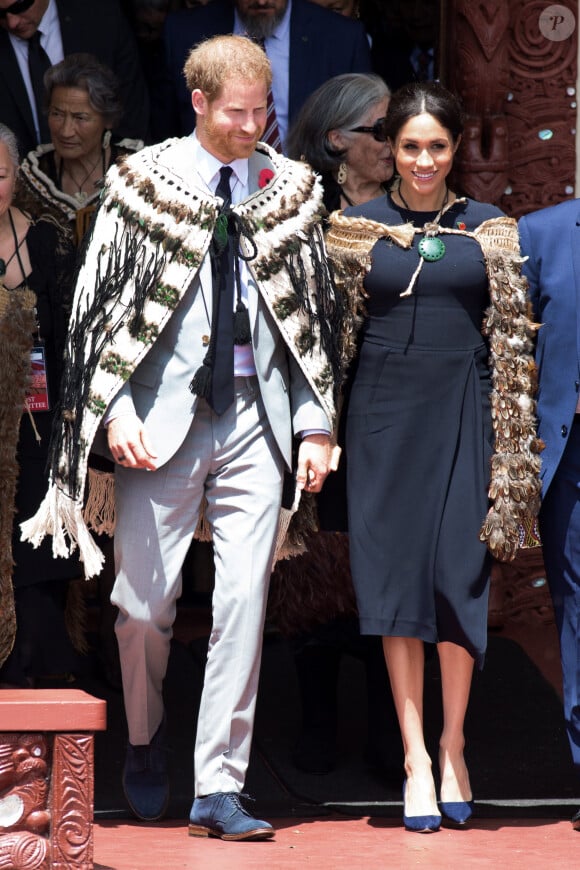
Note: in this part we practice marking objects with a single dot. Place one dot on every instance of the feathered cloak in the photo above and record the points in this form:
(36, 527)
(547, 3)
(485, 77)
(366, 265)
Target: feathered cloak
(147, 244)
(514, 488)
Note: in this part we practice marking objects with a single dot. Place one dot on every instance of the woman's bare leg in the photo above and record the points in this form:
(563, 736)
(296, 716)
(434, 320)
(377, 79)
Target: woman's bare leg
(405, 658)
(456, 674)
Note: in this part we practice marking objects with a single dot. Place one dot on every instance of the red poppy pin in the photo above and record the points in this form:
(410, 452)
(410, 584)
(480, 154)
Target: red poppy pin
(264, 177)
(461, 225)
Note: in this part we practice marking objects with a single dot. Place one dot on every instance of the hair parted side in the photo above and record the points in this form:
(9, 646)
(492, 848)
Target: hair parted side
(214, 61)
(338, 104)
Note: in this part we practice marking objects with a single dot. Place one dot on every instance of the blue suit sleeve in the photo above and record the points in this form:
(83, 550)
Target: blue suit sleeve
(530, 268)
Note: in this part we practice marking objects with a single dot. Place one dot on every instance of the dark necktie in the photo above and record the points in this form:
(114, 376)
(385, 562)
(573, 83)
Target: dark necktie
(271, 134)
(38, 63)
(222, 382)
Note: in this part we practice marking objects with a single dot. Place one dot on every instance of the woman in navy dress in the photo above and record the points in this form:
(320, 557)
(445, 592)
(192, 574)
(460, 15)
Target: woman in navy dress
(420, 437)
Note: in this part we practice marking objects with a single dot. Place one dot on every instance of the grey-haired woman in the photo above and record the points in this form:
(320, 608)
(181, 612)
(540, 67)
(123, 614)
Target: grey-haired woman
(63, 177)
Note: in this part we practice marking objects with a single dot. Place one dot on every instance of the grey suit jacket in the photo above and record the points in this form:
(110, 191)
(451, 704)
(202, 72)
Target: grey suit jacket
(158, 391)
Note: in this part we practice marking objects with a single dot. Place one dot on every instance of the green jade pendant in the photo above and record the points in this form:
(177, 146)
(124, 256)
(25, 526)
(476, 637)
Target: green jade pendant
(221, 231)
(431, 248)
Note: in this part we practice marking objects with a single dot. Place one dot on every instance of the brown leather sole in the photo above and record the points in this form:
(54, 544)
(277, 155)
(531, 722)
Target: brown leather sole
(255, 834)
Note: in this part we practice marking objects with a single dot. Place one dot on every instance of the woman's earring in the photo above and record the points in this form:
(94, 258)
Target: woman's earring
(106, 140)
(342, 174)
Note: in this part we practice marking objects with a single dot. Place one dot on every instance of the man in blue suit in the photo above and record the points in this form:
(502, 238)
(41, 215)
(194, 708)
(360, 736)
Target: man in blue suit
(306, 45)
(550, 238)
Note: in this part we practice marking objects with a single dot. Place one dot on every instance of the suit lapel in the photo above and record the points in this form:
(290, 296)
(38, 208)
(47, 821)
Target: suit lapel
(13, 82)
(575, 248)
(256, 163)
(301, 53)
(66, 24)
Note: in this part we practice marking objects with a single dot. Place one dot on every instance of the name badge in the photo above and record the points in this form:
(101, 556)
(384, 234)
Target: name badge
(37, 398)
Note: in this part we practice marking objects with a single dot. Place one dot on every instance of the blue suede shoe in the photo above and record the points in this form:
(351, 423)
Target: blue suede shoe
(420, 824)
(145, 779)
(458, 812)
(222, 815)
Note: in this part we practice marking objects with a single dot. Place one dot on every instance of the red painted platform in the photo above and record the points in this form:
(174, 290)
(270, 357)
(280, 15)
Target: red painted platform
(334, 843)
(51, 710)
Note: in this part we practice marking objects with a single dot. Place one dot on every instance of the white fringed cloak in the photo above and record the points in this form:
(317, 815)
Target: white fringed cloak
(147, 244)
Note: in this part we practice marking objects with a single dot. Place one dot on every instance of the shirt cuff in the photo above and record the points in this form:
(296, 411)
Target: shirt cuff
(314, 432)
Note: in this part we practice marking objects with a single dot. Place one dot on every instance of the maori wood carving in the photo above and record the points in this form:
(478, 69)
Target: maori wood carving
(24, 813)
(518, 88)
(46, 801)
(72, 801)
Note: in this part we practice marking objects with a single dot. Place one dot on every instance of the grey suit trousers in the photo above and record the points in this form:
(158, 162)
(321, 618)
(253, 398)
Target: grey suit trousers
(235, 461)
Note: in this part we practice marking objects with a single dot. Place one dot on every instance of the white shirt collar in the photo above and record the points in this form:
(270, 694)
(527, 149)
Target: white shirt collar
(50, 18)
(209, 166)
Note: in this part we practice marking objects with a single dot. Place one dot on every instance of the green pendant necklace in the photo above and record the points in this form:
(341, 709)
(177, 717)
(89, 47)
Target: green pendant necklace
(431, 247)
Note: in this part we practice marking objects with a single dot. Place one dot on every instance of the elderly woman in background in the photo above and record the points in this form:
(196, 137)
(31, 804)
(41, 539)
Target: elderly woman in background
(63, 177)
(33, 260)
(340, 132)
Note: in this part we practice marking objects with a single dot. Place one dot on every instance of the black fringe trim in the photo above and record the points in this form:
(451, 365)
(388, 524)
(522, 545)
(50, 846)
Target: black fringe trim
(327, 318)
(127, 258)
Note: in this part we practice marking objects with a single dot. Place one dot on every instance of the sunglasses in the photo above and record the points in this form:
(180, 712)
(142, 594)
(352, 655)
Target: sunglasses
(16, 8)
(378, 131)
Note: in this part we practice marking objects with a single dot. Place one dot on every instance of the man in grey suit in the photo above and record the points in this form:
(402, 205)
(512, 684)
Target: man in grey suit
(203, 384)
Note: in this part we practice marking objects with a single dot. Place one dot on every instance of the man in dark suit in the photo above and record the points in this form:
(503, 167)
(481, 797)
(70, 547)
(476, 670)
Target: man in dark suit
(550, 238)
(305, 44)
(65, 26)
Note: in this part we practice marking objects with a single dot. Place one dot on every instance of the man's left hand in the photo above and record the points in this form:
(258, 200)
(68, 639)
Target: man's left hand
(314, 462)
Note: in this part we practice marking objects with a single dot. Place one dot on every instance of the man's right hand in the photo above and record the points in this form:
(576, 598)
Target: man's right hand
(129, 443)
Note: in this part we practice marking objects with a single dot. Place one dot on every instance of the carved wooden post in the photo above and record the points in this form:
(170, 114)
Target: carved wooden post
(541, 105)
(476, 64)
(47, 778)
(514, 65)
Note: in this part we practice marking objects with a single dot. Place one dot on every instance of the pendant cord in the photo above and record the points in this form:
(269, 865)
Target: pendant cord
(62, 168)
(16, 252)
(430, 229)
(443, 204)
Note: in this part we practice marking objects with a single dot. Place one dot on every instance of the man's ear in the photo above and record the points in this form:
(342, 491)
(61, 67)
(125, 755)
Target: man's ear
(199, 102)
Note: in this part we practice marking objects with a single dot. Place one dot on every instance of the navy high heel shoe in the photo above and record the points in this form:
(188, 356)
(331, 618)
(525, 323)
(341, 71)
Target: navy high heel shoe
(420, 824)
(458, 812)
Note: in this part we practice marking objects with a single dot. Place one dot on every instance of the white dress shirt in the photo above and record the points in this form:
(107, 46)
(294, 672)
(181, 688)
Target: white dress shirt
(208, 168)
(51, 41)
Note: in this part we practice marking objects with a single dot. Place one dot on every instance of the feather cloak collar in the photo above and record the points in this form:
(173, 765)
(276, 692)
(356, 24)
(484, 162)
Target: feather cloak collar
(152, 231)
(514, 488)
